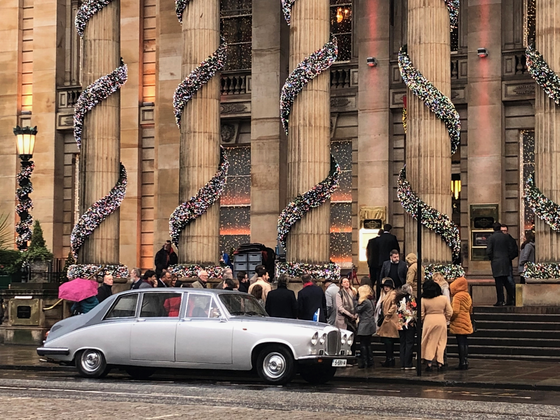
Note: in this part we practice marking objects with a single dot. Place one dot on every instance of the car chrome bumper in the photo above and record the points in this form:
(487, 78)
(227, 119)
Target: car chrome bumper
(313, 358)
(53, 351)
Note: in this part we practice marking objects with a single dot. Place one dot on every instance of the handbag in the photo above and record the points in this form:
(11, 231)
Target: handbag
(380, 318)
(473, 323)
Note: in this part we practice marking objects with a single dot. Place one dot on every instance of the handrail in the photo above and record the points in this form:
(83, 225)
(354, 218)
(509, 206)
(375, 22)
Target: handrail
(53, 306)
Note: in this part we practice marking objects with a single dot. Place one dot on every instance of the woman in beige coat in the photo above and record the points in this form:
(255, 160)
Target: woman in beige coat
(436, 313)
(389, 329)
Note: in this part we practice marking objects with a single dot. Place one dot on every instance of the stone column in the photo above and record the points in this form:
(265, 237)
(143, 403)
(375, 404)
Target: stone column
(100, 151)
(309, 135)
(547, 129)
(200, 132)
(428, 148)
(268, 145)
(485, 181)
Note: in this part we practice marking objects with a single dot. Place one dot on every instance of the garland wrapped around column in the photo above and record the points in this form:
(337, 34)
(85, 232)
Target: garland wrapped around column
(23, 227)
(95, 93)
(543, 207)
(444, 110)
(308, 69)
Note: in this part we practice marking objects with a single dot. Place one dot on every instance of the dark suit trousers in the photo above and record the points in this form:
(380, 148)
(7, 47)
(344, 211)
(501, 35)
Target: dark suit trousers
(502, 282)
(374, 277)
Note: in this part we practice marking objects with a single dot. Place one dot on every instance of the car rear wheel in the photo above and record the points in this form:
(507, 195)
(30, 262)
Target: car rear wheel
(275, 365)
(139, 373)
(317, 375)
(91, 364)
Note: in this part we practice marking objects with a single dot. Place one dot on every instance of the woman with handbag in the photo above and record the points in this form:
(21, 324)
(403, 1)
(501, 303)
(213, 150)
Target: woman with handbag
(461, 324)
(366, 325)
(406, 313)
(345, 307)
(389, 327)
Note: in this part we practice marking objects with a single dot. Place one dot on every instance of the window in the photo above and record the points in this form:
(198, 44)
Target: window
(235, 203)
(530, 22)
(124, 308)
(527, 161)
(341, 207)
(198, 306)
(236, 28)
(341, 27)
(157, 305)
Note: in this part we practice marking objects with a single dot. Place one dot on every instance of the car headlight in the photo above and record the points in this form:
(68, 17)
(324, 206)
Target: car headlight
(323, 339)
(350, 339)
(314, 339)
(343, 339)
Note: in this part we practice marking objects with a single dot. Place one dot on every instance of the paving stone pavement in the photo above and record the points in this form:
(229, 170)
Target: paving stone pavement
(491, 373)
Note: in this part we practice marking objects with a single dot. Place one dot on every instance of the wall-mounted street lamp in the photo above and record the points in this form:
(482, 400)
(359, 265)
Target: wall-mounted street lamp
(482, 52)
(456, 185)
(25, 146)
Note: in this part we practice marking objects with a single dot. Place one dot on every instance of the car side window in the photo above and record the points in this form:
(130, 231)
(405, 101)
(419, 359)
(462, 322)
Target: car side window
(125, 307)
(198, 306)
(157, 305)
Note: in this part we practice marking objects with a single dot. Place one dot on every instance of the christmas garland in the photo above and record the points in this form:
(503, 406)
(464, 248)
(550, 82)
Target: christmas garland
(180, 6)
(99, 90)
(302, 204)
(191, 270)
(86, 271)
(431, 218)
(449, 271)
(192, 209)
(453, 8)
(198, 78)
(287, 10)
(541, 271)
(330, 271)
(23, 227)
(547, 210)
(436, 101)
(305, 71)
(86, 12)
(545, 77)
(97, 213)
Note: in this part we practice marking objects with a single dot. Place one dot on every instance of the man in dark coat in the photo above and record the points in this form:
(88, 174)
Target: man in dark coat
(310, 299)
(372, 254)
(106, 289)
(504, 230)
(165, 257)
(281, 302)
(386, 243)
(501, 251)
(395, 269)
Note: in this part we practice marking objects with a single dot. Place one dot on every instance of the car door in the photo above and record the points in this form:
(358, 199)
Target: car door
(153, 333)
(204, 336)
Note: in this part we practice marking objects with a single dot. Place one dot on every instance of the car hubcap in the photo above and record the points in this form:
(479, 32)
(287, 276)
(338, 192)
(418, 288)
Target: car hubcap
(91, 361)
(274, 365)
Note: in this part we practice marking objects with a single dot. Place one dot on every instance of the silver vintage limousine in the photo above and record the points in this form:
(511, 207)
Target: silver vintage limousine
(142, 330)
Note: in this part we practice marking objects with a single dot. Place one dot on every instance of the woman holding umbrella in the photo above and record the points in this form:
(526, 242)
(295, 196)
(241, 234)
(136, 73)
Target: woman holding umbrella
(81, 291)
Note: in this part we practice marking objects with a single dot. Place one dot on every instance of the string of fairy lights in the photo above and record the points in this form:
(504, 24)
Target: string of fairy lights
(444, 110)
(25, 204)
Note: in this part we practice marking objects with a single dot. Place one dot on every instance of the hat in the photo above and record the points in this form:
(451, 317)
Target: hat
(389, 283)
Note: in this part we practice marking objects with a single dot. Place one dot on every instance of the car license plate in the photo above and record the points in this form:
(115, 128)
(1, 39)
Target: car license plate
(339, 362)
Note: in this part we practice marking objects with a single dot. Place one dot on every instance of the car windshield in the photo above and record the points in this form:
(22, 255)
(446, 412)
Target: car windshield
(242, 305)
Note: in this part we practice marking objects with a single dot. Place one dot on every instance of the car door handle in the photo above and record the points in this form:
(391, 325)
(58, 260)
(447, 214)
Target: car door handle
(186, 320)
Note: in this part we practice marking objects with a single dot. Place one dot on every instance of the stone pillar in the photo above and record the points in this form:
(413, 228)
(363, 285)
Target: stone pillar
(268, 144)
(309, 135)
(200, 132)
(428, 148)
(373, 31)
(485, 182)
(547, 129)
(100, 151)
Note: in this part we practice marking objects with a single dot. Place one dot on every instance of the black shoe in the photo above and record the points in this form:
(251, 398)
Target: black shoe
(499, 304)
(441, 367)
(510, 304)
(429, 368)
(388, 363)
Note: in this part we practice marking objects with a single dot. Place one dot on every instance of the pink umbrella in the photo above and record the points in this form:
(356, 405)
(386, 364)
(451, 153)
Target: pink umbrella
(77, 290)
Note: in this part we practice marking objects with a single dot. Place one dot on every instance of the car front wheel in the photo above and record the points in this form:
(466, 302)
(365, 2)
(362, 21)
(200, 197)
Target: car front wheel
(275, 365)
(317, 375)
(91, 364)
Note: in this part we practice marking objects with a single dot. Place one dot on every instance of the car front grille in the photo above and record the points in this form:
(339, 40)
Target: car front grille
(333, 343)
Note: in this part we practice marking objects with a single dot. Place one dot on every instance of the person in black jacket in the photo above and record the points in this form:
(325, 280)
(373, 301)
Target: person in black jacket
(395, 269)
(386, 243)
(105, 290)
(504, 230)
(501, 250)
(282, 303)
(310, 299)
(165, 257)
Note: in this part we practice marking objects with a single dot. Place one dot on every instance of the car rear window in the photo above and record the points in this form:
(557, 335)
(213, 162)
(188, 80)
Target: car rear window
(125, 307)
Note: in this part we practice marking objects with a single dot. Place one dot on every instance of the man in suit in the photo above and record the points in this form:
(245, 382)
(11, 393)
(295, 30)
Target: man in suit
(395, 269)
(504, 230)
(281, 303)
(136, 277)
(372, 253)
(310, 299)
(501, 250)
(386, 243)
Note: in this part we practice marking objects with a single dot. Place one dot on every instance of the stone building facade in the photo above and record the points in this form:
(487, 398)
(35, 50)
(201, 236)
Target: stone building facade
(40, 81)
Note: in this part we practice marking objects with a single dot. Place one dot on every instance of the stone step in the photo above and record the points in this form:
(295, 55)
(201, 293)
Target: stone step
(518, 317)
(505, 333)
